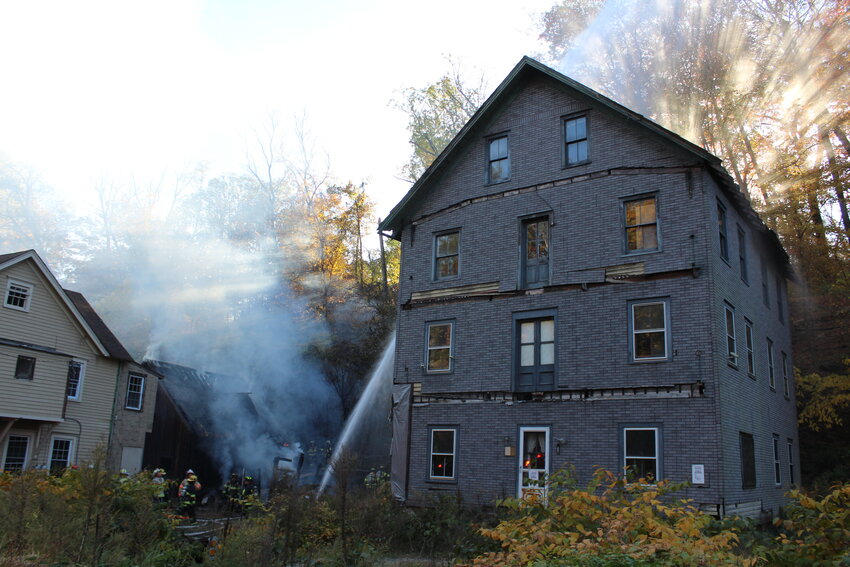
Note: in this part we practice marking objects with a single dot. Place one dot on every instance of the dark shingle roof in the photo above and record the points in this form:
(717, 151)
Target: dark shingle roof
(104, 335)
(12, 255)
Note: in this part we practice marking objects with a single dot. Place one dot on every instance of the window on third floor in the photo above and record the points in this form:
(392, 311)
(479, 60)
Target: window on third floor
(18, 295)
(535, 252)
(446, 255)
(641, 225)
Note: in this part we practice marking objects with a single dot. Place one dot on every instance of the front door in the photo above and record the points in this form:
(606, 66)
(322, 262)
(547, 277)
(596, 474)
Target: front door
(533, 462)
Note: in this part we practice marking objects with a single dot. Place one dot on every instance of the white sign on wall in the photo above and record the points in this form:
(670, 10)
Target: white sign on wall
(697, 474)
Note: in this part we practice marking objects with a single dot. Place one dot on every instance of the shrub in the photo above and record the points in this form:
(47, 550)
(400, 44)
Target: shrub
(609, 522)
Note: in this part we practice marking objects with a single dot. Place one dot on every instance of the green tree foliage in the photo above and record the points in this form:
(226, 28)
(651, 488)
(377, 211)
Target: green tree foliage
(436, 113)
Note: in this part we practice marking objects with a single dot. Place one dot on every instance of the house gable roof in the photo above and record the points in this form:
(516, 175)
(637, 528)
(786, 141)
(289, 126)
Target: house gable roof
(105, 342)
(402, 212)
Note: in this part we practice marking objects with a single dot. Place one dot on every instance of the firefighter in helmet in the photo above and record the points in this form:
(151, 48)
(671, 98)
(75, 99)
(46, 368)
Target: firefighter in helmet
(188, 494)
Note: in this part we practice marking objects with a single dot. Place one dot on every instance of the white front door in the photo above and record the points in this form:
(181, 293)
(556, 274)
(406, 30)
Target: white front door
(533, 462)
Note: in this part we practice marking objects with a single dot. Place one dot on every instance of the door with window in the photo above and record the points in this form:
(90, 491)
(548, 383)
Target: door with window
(16, 453)
(533, 462)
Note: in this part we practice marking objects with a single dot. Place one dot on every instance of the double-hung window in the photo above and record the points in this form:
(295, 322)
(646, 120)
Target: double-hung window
(25, 368)
(640, 453)
(135, 392)
(575, 140)
(61, 453)
(535, 252)
(777, 467)
(771, 367)
(751, 357)
(742, 254)
(438, 355)
(499, 159)
(76, 373)
(535, 351)
(790, 445)
(721, 231)
(748, 460)
(731, 342)
(649, 322)
(446, 255)
(443, 449)
(780, 312)
(18, 295)
(641, 225)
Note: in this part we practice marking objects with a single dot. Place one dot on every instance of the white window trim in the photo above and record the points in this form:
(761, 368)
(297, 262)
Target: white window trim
(428, 347)
(27, 455)
(72, 450)
(777, 464)
(24, 285)
(521, 454)
(731, 339)
(657, 457)
(79, 394)
(790, 445)
(453, 454)
(665, 330)
(749, 344)
(141, 394)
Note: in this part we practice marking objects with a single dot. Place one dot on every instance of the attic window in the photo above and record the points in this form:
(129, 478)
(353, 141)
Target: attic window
(18, 295)
(499, 161)
(575, 140)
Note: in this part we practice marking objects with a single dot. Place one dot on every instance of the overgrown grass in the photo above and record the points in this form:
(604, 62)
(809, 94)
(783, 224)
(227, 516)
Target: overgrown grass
(87, 517)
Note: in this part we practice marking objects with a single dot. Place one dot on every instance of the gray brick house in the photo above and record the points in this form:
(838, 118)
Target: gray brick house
(581, 287)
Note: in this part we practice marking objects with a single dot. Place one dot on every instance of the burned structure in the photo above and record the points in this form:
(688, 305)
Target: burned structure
(67, 384)
(581, 287)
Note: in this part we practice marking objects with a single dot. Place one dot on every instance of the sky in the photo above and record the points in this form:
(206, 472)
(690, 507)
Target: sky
(96, 90)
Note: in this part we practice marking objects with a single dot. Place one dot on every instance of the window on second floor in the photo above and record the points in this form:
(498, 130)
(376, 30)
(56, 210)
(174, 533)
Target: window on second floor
(76, 373)
(25, 368)
(438, 355)
(751, 357)
(575, 140)
(641, 225)
(780, 312)
(649, 330)
(535, 252)
(499, 160)
(447, 255)
(135, 392)
(535, 352)
(18, 295)
(721, 231)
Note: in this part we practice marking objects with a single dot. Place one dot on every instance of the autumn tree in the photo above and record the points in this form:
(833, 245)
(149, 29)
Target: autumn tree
(436, 113)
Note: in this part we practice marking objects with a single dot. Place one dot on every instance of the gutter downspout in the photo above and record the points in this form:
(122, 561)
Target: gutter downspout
(114, 414)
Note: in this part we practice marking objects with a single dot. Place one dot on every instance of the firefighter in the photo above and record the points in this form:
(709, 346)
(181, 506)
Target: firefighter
(158, 481)
(188, 494)
(232, 491)
(249, 497)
